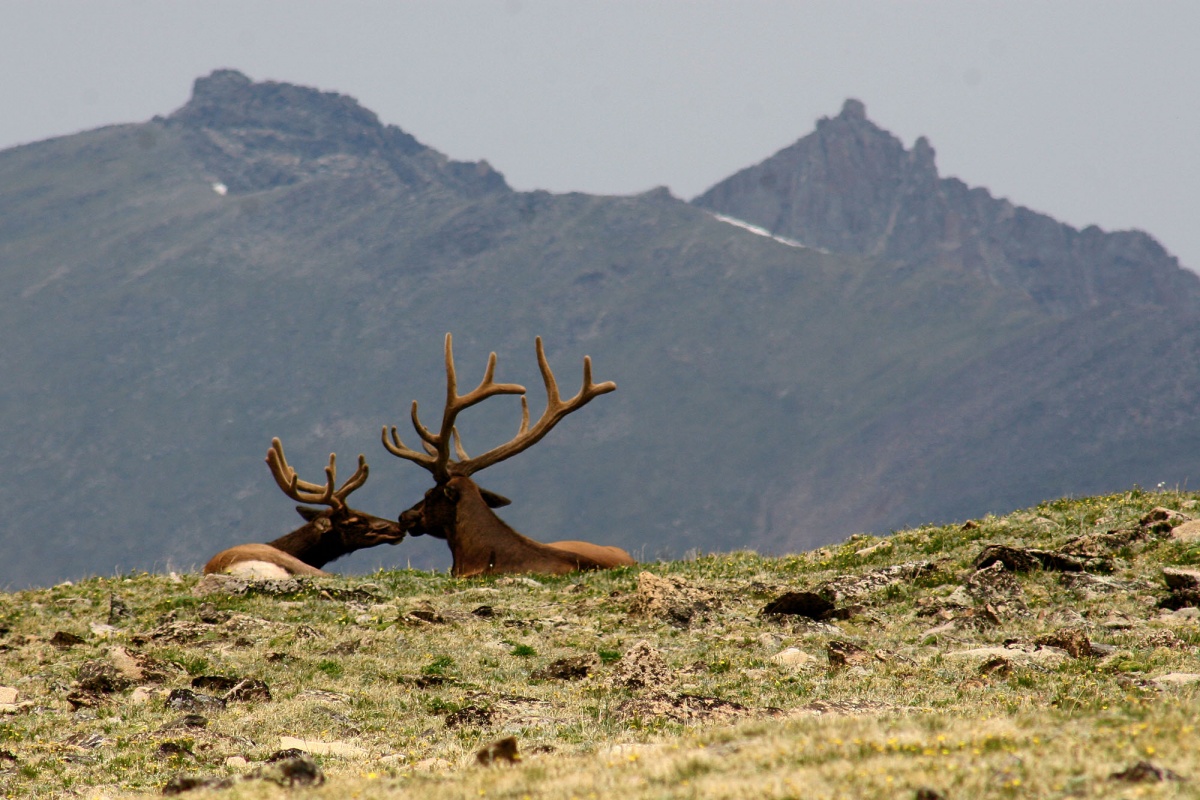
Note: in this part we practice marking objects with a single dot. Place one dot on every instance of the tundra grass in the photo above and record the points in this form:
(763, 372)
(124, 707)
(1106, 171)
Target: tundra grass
(393, 681)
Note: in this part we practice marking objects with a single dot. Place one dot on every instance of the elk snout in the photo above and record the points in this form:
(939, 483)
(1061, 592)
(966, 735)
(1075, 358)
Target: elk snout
(412, 521)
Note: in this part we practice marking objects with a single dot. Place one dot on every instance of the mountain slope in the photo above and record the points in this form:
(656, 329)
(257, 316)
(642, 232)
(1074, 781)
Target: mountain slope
(272, 261)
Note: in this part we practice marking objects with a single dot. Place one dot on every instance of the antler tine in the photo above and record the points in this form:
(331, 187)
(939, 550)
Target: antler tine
(438, 445)
(556, 409)
(293, 487)
(353, 482)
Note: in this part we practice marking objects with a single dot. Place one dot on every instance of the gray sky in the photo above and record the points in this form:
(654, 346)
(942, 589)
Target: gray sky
(1088, 111)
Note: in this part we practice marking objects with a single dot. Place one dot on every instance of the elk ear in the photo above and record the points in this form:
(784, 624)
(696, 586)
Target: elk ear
(494, 500)
(309, 513)
(450, 493)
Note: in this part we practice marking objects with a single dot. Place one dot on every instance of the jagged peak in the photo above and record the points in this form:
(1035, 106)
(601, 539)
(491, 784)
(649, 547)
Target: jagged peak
(227, 98)
(853, 109)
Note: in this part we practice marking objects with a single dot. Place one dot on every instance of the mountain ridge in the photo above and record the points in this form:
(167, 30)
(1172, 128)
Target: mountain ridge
(852, 187)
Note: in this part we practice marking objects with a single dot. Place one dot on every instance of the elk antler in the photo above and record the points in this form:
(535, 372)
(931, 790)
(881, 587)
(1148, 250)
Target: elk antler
(306, 492)
(437, 460)
(436, 457)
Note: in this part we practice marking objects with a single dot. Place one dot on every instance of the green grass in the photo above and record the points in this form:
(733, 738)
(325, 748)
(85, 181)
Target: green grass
(409, 701)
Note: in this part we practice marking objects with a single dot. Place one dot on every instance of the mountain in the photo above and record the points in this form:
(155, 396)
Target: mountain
(271, 260)
(852, 187)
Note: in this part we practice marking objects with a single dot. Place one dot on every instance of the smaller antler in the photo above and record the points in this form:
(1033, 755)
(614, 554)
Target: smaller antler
(306, 492)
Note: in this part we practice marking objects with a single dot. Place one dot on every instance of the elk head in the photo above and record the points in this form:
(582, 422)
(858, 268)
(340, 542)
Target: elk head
(459, 511)
(328, 534)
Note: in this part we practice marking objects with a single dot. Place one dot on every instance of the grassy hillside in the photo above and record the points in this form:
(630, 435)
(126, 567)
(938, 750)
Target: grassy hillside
(1031, 655)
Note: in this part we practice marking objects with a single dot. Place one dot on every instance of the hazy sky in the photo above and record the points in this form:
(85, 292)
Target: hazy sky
(1088, 111)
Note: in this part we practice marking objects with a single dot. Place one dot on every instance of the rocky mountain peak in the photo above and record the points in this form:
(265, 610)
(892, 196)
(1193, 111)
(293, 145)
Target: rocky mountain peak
(256, 136)
(852, 187)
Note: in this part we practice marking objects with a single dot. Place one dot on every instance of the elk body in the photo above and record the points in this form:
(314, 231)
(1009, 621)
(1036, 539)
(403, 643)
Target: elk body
(328, 533)
(458, 510)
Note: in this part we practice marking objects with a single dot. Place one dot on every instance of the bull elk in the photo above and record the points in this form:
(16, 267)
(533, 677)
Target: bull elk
(327, 535)
(459, 511)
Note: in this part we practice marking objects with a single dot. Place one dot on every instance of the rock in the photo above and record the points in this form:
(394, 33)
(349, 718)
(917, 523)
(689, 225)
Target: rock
(1187, 532)
(1145, 772)
(794, 659)
(641, 667)
(1177, 679)
(503, 750)
(1163, 519)
(187, 783)
(867, 552)
(64, 640)
(519, 580)
(1016, 655)
(8, 696)
(682, 708)
(852, 587)
(187, 700)
(320, 748)
(995, 586)
(804, 604)
(1026, 559)
(845, 654)
(1072, 640)
(1178, 578)
(100, 677)
(567, 669)
(289, 770)
(670, 599)
(471, 716)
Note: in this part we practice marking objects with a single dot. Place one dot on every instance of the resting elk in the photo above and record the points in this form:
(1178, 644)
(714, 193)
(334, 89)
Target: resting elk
(328, 534)
(459, 511)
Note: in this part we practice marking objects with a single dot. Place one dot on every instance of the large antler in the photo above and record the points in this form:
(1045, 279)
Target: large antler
(306, 492)
(436, 457)
(556, 409)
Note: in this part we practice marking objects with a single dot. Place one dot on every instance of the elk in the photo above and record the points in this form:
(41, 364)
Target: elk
(459, 511)
(327, 534)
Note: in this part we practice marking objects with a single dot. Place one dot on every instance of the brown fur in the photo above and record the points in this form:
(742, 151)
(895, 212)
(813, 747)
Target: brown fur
(328, 535)
(483, 544)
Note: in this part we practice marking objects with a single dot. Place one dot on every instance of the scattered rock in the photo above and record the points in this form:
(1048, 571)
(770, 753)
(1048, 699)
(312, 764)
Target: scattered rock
(1017, 654)
(998, 666)
(804, 604)
(290, 744)
(1101, 545)
(1187, 532)
(291, 770)
(471, 716)
(64, 640)
(1177, 679)
(853, 587)
(186, 783)
(101, 677)
(794, 659)
(519, 580)
(1183, 586)
(1145, 772)
(1163, 519)
(567, 669)
(209, 614)
(1026, 559)
(503, 750)
(1093, 584)
(1073, 640)
(670, 599)
(640, 668)
(229, 584)
(681, 708)
(881, 547)
(845, 654)
(248, 690)
(995, 586)
(187, 700)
